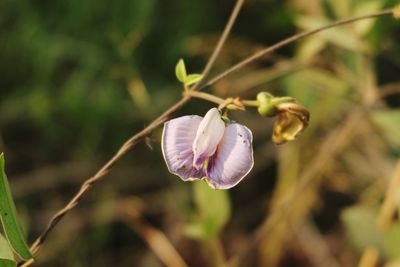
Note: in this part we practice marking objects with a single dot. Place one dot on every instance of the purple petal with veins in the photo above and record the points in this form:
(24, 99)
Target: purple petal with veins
(177, 146)
(208, 136)
(233, 159)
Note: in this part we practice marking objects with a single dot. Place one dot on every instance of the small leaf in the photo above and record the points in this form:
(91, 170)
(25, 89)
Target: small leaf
(6, 254)
(11, 225)
(180, 71)
(192, 79)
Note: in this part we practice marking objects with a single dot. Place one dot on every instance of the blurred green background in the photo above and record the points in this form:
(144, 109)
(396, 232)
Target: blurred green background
(78, 78)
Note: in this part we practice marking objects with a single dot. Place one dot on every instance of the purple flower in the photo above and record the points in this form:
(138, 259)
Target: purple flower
(195, 148)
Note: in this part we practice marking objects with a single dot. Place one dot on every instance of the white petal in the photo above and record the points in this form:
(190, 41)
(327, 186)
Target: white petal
(177, 141)
(233, 159)
(208, 136)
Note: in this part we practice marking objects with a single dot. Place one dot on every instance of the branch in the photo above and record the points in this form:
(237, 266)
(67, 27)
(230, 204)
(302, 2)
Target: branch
(128, 145)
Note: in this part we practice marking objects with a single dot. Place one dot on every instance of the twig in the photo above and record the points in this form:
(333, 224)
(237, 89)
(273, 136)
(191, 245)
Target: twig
(161, 119)
(105, 169)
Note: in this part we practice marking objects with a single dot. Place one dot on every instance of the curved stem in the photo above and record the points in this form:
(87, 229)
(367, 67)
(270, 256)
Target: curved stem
(205, 96)
(218, 100)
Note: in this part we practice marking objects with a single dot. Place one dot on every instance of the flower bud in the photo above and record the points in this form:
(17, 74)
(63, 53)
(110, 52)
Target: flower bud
(265, 106)
(291, 122)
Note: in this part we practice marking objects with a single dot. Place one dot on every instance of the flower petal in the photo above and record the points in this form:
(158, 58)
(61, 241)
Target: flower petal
(208, 136)
(177, 141)
(233, 159)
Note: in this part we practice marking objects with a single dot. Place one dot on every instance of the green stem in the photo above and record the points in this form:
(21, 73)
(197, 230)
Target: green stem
(219, 100)
(251, 103)
(205, 96)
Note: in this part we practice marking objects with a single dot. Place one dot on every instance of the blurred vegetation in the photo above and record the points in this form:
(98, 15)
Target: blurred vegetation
(80, 77)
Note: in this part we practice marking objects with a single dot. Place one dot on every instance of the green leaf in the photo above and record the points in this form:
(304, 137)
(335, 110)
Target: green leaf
(6, 254)
(8, 213)
(180, 71)
(213, 210)
(192, 79)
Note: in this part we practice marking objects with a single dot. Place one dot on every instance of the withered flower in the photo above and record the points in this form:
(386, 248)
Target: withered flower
(291, 122)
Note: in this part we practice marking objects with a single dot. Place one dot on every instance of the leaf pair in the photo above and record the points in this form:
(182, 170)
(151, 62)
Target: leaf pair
(183, 77)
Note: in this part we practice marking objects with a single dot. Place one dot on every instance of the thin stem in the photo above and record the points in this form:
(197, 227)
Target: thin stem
(220, 44)
(205, 96)
(251, 103)
(218, 100)
(292, 39)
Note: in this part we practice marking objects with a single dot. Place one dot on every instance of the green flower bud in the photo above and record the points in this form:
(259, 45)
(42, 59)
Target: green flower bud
(265, 105)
